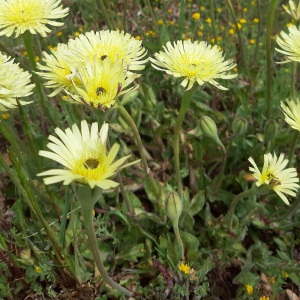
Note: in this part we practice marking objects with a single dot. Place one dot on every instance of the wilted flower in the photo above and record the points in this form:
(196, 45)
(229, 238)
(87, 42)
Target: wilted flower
(14, 83)
(84, 156)
(282, 181)
(292, 113)
(33, 15)
(293, 10)
(290, 44)
(195, 61)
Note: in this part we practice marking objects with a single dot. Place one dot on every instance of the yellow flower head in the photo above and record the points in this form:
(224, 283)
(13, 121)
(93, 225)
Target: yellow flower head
(196, 16)
(59, 69)
(291, 112)
(281, 180)
(256, 20)
(243, 21)
(293, 10)
(252, 41)
(249, 289)
(84, 157)
(184, 268)
(195, 61)
(231, 31)
(208, 20)
(289, 44)
(38, 270)
(33, 15)
(14, 83)
(100, 82)
(160, 22)
(264, 298)
(116, 45)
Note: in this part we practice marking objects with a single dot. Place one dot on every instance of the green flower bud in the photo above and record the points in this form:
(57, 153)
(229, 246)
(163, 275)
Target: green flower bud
(173, 207)
(209, 128)
(239, 126)
(271, 129)
(129, 97)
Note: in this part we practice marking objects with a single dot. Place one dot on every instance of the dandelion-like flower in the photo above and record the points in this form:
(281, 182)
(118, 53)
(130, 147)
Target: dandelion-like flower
(14, 83)
(84, 156)
(293, 10)
(249, 289)
(195, 61)
(101, 82)
(184, 268)
(116, 45)
(281, 180)
(291, 112)
(59, 70)
(33, 15)
(289, 44)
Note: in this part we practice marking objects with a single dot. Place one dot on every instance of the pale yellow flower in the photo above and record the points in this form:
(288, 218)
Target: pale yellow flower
(281, 180)
(291, 112)
(84, 156)
(14, 83)
(293, 10)
(101, 81)
(18, 16)
(195, 61)
(289, 44)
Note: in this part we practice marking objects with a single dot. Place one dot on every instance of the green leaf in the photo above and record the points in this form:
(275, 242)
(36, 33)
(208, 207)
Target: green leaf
(197, 203)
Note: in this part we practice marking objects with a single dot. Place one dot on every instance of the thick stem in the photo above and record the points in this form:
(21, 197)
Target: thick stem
(140, 146)
(179, 241)
(223, 164)
(186, 99)
(87, 206)
(269, 58)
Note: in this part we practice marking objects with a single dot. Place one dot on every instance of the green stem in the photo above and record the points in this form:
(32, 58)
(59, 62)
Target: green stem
(179, 240)
(293, 147)
(152, 16)
(236, 200)
(258, 30)
(292, 210)
(269, 58)
(88, 199)
(212, 16)
(181, 19)
(222, 169)
(241, 47)
(140, 146)
(42, 97)
(186, 99)
(104, 14)
(294, 76)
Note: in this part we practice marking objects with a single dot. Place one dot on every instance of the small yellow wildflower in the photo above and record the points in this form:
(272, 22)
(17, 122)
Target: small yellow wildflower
(235, 69)
(59, 33)
(271, 280)
(36, 58)
(38, 270)
(256, 20)
(160, 22)
(184, 268)
(170, 10)
(243, 21)
(284, 274)
(219, 38)
(202, 8)
(24, 53)
(172, 22)
(264, 298)
(245, 9)
(239, 26)
(231, 31)
(196, 16)
(253, 3)
(6, 116)
(208, 20)
(150, 32)
(222, 28)
(80, 29)
(77, 33)
(201, 27)
(200, 33)
(138, 37)
(219, 9)
(252, 42)
(49, 47)
(289, 24)
(249, 289)
(213, 41)
(219, 48)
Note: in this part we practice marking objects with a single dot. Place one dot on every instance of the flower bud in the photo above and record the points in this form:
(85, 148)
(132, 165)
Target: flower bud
(239, 126)
(271, 129)
(209, 128)
(173, 207)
